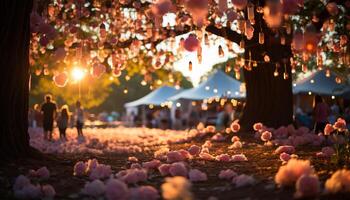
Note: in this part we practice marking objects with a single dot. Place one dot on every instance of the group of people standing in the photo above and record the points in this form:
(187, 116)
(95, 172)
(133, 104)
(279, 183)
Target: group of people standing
(46, 114)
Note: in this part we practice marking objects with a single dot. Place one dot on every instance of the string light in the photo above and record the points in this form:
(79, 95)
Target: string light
(125, 91)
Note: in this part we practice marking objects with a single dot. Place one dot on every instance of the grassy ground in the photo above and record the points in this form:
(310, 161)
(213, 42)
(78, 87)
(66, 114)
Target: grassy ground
(262, 164)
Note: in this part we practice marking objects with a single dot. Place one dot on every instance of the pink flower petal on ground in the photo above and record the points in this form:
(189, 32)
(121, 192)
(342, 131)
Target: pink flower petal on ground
(266, 136)
(144, 193)
(288, 174)
(235, 139)
(235, 127)
(178, 169)
(194, 150)
(227, 174)
(284, 157)
(206, 156)
(257, 126)
(48, 191)
(95, 188)
(164, 169)
(174, 156)
(307, 185)
(285, 149)
(154, 164)
(243, 180)
(196, 175)
(116, 190)
(79, 168)
(223, 158)
(239, 158)
(43, 173)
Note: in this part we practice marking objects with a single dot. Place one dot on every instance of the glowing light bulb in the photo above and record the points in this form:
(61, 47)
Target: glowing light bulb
(78, 73)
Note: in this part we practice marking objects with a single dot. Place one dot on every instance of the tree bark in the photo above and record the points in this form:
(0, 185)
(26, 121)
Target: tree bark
(14, 92)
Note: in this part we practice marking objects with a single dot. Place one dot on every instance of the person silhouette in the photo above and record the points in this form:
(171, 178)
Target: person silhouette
(49, 110)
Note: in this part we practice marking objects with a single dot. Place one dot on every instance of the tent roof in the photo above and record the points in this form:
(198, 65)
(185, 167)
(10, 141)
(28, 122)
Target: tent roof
(319, 83)
(156, 97)
(218, 84)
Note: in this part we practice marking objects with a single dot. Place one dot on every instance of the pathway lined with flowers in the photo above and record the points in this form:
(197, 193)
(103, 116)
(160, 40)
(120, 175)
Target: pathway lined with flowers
(130, 163)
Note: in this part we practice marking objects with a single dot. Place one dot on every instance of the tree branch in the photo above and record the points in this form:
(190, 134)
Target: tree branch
(225, 32)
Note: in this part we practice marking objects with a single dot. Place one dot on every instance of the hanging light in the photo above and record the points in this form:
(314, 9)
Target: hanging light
(125, 91)
(190, 66)
(283, 40)
(250, 11)
(261, 38)
(285, 74)
(328, 73)
(242, 44)
(221, 51)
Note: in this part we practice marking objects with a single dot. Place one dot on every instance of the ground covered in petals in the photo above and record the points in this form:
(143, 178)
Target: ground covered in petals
(121, 148)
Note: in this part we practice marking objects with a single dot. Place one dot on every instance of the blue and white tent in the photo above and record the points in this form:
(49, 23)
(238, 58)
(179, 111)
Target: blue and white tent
(319, 83)
(156, 97)
(217, 85)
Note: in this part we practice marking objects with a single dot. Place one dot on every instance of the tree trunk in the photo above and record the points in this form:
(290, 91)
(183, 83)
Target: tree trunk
(14, 92)
(269, 99)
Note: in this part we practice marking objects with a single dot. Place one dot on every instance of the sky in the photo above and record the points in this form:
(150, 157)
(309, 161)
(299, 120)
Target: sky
(210, 55)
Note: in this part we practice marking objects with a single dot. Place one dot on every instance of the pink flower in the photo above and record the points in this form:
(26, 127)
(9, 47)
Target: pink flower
(116, 190)
(340, 125)
(100, 172)
(20, 182)
(174, 156)
(285, 149)
(134, 176)
(144, 193)
(196, 175)
(178, 169)
(151, 164)
(29, 191)
(235, 139)
(164, 169)
(257, 126)
(43, 173)
(338, 182)
(266, 136)
(326, 152)
(223, 158)
(211, 129)
(194, 150)
(235, 127)
(135, 166)
(288, 174)
(284, 157)
(307, 185)
(133, 159)
(185, 154)
(236, 145)
(191, 43)
(206, 156)
(243, 180)
(48, 191)
(95, 188)
(239, 158)
(328, 129)
(79, 168)
(227, 174)
(91, 164)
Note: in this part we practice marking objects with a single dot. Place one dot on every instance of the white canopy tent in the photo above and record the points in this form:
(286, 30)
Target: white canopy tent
(156, 97)
(217, 85)
(319, 83)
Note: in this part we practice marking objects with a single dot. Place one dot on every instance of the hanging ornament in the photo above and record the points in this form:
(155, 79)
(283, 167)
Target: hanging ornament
(221, 51)
(249, 30)
(273, 15)
(304, 68)
(319, 61)
(190, 66)
(250, 11)
(255, 63)
(266, 58)
(206, 39)
(239, 4)
(328, 73)
(61, 79)
(191, 43)
(199, 54)
(261, 38)
(283, 40)
(285, 74)
(242, 44)
(228, 68)
(275, 73)
(311, 38)
(97, 70)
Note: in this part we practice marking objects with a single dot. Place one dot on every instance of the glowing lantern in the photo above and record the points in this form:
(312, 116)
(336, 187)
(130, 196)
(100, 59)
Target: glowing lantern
(221, 51)
(190, 66)
(251, 15)
(249, 30)
(298, 40)
(191, 43)
(239, 4)
(328, 73)
(311, 38)
(97, 70)
(273, 13)
(261, 38)
(61, 79)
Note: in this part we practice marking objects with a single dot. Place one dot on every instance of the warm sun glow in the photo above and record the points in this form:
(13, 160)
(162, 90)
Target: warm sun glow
(78, 73)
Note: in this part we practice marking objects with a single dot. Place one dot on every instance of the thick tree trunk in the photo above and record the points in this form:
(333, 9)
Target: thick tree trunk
(14, 62)
(269, 99)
